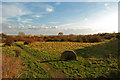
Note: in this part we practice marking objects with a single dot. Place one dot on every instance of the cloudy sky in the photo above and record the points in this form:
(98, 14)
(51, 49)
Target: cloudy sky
(50, 18)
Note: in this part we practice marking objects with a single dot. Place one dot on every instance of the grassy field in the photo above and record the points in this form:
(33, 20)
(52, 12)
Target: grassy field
(42, 59)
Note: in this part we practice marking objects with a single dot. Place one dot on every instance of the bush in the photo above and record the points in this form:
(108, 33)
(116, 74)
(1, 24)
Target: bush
(28, 41)
(118, 36)
(18, 52)
(3, 40)
(94, 39)
(39, 39)
(49, 39)
(108, 37)
(84, 38)
(9, 41)
(79, 39)
(3, 35)
(20, 38)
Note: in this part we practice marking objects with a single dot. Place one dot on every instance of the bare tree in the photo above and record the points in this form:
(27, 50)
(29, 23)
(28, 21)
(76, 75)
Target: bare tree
(60, 34)
(21, 33)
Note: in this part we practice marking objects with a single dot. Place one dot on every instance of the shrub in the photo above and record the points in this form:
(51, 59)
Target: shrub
(9, 41)
(113, 35)
(28, 41)
(118, 36)
(39, 39)
(56, 39)
(79, 39)
(108, 37)
(3, 40)
(63, 40)
(3, 35)
(94, 39)
(84, 38)
(60, 33)
(15, 39)
(49, 39)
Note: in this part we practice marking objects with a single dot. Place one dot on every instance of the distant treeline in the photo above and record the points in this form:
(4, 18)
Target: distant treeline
(60, 38)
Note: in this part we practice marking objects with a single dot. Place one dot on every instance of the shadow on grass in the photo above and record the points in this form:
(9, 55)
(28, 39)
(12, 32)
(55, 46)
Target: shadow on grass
(101, 50)
(50, 61)
(55, 61)
(104, 50)
(113, 75)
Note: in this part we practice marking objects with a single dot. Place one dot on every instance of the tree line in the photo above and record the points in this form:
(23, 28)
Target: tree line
(28, 39)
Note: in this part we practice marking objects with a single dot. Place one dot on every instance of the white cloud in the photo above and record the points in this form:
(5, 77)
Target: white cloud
(49, 9)
(9, 26)
(37, 16)
(108, 23)
(42, 27)
(21, 26)
(45, 30)
(27, 21)
(107, 5)
(24, 21)
(53, 22)
(0, 13)
(42, 8)
(57, 3)
(18, 19)
(86, 19)
(55, 27)
(99, 23)
(31, 27)
(60, 0)
(14, 10)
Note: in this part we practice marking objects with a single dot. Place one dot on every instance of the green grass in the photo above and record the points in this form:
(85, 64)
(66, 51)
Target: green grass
(42, 59)
(33, 68)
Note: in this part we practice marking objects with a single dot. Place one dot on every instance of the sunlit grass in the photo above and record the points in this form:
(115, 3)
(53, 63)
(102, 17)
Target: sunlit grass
(93, 59)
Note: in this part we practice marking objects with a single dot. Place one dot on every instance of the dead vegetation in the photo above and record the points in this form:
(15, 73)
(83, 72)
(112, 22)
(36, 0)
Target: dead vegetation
(10, 67)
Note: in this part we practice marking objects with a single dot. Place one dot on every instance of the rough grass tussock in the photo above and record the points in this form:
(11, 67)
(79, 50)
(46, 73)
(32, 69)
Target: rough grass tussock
(18, 52)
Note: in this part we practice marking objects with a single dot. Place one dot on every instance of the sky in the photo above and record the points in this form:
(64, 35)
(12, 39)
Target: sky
(59, 0)
(50, 18)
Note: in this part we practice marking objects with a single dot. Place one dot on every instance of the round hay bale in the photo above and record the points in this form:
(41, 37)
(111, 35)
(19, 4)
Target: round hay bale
(69, 55)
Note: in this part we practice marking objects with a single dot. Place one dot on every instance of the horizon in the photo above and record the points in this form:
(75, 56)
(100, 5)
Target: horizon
(50, 18)
(57, 34)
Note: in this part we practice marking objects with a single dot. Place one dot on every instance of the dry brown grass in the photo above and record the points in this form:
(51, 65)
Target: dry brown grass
(0, 65)
(11, 67)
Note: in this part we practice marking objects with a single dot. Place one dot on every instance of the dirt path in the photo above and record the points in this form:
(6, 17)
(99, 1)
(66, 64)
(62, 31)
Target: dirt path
(54, 73)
